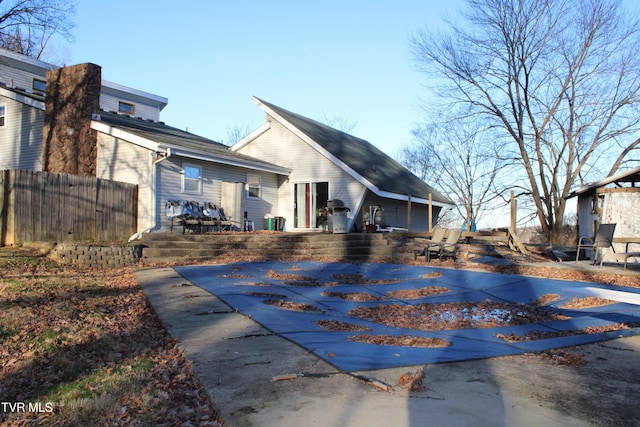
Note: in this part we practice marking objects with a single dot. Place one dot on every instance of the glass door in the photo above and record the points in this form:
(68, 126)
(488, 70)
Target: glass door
(309, 201)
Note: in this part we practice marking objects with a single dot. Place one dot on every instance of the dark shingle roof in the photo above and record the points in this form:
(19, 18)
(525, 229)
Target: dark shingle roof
(161, 133)
(172, 137)
(362, 157)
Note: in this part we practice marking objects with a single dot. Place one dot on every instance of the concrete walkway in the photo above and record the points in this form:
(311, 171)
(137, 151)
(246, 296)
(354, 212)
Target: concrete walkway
(237, 359)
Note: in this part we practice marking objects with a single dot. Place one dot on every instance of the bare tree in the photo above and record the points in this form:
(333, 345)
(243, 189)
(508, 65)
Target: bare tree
(340, 122)
(559, 78)
(27, 26)
(460, 160)
(236, 133)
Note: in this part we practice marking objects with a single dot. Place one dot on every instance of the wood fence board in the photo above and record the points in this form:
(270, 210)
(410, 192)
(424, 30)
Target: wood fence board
(41, 206)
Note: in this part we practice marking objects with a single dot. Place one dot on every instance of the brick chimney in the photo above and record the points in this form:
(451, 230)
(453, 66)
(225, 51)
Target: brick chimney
(73, 95)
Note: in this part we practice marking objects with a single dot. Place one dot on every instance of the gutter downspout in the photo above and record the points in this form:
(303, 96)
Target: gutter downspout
(152, 194)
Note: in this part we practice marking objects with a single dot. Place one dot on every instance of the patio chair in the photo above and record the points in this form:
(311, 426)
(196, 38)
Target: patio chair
(175, 213)
(191, 218)
(450, 246)
(224, 223)
(603, 240)
(434, 241)
(216, 217)
(210, 217)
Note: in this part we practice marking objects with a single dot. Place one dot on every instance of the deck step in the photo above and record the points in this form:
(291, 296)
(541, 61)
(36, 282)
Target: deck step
(173, 248)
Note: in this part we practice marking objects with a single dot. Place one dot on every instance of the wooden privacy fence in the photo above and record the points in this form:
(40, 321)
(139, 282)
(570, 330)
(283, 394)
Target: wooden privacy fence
(49, 207)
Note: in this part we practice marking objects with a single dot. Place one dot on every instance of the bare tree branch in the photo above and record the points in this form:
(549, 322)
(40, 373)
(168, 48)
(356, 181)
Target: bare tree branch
(559, 78)
(27, 26)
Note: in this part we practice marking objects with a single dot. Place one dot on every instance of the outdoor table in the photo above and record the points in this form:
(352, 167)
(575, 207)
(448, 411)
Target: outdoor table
(626, 254)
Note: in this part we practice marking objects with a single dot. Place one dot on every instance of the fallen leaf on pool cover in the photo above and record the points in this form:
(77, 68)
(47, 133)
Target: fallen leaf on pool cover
(400, 340)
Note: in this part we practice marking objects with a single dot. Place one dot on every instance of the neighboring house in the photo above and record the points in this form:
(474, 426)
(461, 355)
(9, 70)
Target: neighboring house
(21, 120)
(22, 95)
(615, 199)
(329, 165)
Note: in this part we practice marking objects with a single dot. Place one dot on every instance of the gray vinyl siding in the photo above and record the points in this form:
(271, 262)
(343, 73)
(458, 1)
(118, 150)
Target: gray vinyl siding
(119, 160)
(281, 147)
(21, 137)
(21, 76)
(19, 79)
(146, 112)
(258, 208)
(169, 187)
(123, 161)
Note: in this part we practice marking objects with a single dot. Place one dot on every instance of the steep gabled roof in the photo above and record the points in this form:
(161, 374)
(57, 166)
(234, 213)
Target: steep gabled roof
(159, 137)
(374, 169)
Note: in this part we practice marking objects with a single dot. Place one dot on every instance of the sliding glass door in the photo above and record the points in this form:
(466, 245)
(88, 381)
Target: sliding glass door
(310, 199)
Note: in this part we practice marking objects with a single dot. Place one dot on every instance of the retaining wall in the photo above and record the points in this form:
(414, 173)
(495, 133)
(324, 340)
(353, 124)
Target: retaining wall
(85, 255)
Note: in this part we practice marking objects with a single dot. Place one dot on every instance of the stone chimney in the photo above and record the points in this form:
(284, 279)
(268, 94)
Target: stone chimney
(73, 95)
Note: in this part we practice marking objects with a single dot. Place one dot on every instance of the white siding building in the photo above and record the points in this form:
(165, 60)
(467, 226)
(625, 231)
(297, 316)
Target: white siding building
(171, 164)
(331, 166)
(22, 90)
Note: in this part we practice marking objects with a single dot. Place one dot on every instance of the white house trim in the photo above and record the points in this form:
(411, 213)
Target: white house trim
(181, 152)
(315, 145)
(254, 134)
(405, 198)
(27, 100)
(134, 94)
(120, 134)
(230, 161)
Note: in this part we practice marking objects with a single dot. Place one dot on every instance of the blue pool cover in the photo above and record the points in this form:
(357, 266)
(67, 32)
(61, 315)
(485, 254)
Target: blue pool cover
(248, 286)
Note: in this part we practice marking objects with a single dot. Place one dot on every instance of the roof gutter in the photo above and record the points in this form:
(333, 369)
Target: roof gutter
(231, 161)
(405, 198)
(152, 191)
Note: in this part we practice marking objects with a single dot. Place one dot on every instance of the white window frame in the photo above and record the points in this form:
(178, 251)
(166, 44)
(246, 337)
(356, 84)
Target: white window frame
(3, 115)
(251, 185)
(185, 179)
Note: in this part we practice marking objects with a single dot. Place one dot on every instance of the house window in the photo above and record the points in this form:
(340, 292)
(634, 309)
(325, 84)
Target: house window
(191, 179)
(125, 107)
(39, 86)
(3, 113)
(253, 186)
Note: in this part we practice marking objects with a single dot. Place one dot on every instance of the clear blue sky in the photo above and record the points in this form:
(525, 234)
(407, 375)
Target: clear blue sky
(319, 59)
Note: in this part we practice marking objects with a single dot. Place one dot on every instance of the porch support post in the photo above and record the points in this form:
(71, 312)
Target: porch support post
(512, 224)
(409, 212)
(430, 212)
